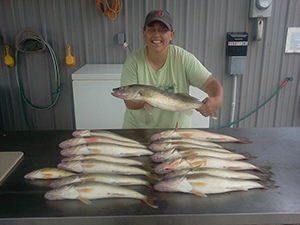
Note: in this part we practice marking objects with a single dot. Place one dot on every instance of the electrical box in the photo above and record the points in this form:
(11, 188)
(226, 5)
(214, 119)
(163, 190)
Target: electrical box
(236, 52)
(260, 8)
(237, 43)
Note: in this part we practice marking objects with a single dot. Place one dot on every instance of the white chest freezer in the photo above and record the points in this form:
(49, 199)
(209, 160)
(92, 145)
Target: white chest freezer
(96, 108)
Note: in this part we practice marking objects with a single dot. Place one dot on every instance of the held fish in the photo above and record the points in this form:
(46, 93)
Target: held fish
(115, 179)
(154, 97)
(48, 173)
(225, 173)
(195, 134)
(94, 166)
(97, 190)
(105, 149)
(163, 146)
(201, 185)
(85, 140)
(203, 162)
(102, 133)
(175, 153)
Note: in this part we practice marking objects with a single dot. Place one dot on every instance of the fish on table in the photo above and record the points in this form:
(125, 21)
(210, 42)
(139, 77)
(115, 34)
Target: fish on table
(195, 134)
(86, 191)
(225, 173)
(154, 97)
(201, 185)
(95, 166)
(48, 173)
(85, 140)
(204, 162)
(182, 153)
(105, 149)
(115, 179)
(102, 133)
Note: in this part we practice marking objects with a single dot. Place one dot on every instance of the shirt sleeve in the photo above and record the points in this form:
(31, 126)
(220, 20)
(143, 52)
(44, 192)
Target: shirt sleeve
(129, 72)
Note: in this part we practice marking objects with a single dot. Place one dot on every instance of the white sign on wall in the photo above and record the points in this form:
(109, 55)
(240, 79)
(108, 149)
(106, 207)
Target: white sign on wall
(292, 44)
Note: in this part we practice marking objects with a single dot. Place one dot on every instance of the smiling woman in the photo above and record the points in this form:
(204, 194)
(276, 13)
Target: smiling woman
(169, 68)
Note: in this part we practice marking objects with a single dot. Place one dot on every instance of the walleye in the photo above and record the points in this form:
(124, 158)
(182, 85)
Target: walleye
(190, 141)
(97, 190)
(175, 153)
(105, 158)
(225, 173)
(102, 133)
(201, 185)
(163, 146)
(105, 149)
(203, 162)
(48, 173)
(195, 134)
(154, 97)
(85, 140)
(115, 179)
(94, 166)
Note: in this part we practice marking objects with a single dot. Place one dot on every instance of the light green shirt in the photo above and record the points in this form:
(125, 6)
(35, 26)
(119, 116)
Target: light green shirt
(180, 70)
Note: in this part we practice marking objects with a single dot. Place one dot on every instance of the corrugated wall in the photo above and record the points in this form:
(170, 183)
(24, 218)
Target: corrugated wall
(201, 27)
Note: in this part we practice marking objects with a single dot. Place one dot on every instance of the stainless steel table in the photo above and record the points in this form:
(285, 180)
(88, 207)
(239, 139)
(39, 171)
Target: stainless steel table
(23, 202)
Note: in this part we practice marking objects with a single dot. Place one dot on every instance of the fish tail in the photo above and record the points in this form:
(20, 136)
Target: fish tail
(264, 170)
(264, 177)
(152, 176)
(248, 156)
(151, 201)
(147, 164)
(244, 140)
(267, 185)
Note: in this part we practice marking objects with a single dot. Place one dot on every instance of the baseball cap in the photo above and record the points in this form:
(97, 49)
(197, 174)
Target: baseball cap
(159, 15)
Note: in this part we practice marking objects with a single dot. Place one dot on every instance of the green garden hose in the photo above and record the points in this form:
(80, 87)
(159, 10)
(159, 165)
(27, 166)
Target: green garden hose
(255, 110)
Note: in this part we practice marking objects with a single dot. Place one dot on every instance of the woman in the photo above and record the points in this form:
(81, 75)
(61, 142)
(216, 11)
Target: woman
(169, 68)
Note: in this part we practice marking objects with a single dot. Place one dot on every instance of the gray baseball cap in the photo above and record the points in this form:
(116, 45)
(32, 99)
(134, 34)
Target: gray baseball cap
(159, 15)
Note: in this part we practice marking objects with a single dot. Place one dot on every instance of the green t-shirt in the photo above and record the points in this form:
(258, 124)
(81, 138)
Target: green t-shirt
(180, 70)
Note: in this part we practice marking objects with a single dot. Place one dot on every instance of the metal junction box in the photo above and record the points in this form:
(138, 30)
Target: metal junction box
(237, 43)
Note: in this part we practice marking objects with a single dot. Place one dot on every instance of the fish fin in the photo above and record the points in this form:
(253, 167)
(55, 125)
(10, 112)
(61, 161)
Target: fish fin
(152, 176)
(86, 190)
(84, 200)
(176, 127)
(214, 116)
(199, 193)
(88, 166)
(264, 169)
(244, 140)
(151, 201)
(188, 153)
(94, 150)
(48, 176)
(148, 108)
(267, 185)
(90, 179)
(186, 135)
(187, 112)
(248, 156)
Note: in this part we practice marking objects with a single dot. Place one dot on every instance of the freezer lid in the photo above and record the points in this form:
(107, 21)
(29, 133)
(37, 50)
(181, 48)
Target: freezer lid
(98, 72)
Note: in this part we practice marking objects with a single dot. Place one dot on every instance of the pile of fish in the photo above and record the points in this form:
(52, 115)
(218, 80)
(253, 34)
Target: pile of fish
(98, 164)
(190, 161)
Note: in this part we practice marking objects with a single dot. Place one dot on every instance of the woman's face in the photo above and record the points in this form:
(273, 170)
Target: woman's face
(157, 37)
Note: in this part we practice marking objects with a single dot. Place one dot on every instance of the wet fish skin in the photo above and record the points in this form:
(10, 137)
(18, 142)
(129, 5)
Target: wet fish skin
(94, 166)
(102, 133)
(203, 162)
(86, 191)
(175, 102)
(163, 146)
(175, 153)
(201, 185)
(195, 134)
(48, 173)
(190, 141)
(105, 149)
(114, 179)
(105, 158)
(225, 173)
(85, 140)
